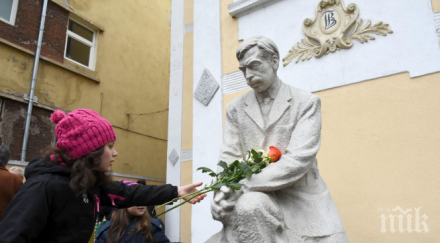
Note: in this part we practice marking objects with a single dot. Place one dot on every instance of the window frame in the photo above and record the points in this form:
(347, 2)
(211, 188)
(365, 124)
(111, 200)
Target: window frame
(92, 45)
(14, 11)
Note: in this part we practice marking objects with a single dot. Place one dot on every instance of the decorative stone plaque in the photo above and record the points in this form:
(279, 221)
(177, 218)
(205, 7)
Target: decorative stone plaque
(206, 88)
(173, 157)
(330, 31)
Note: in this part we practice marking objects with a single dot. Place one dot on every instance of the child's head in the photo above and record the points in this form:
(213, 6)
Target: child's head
(137, 211)
(85, 142)
(81, 132)
(122, 218)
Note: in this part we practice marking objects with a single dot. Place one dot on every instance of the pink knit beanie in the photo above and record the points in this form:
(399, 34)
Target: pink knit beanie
(81, 131)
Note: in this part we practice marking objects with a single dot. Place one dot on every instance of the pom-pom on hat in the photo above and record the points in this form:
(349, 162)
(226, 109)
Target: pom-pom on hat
(81, 131)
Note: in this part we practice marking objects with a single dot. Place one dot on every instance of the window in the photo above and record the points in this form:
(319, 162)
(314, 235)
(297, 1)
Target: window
(80, 44)
(8, 11)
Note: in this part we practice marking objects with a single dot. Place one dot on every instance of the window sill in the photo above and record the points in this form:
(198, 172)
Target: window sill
(75, 68)
(5, 21)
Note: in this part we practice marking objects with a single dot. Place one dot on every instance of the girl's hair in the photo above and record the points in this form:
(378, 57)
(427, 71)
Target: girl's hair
(120, 222)
(85, 172)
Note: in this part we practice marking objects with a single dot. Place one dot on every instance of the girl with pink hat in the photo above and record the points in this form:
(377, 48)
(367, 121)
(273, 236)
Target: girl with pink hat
(66, 186)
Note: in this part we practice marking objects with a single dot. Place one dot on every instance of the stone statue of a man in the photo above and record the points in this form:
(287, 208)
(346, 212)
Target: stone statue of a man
(288, 201)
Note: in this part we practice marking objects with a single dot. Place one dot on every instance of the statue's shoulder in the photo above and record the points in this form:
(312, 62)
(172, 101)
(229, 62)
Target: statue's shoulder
(301, 95)
(240, 101)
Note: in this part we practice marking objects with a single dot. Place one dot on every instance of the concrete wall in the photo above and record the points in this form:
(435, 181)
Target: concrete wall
(132, 67)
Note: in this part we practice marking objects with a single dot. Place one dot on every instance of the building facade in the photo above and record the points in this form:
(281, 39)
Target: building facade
(111, 57)
(379, 101)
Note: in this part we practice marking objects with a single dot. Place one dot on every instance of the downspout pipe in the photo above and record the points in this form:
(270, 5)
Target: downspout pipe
(33, 82)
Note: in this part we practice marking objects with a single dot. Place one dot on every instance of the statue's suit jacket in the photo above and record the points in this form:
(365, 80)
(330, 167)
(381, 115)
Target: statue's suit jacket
(294, 183)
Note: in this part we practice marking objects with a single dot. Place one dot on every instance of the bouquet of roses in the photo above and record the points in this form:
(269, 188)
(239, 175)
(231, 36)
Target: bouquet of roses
(231, 175)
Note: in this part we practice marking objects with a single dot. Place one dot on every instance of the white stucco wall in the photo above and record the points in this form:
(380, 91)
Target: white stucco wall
(413, 47)
(207, 120)
(172, 218)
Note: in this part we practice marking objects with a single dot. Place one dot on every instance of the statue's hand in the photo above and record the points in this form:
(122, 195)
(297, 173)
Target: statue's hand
(223, 204)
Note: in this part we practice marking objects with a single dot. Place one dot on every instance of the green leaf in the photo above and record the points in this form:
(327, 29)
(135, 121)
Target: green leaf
(244, 167)
(254, 153)
(258, 160)
(249, 174)
(235, 186)
(218, 185)
(204, 169)
(213, 174)
(223, 165)
(254, 170)
(236, 164)
(221, 173)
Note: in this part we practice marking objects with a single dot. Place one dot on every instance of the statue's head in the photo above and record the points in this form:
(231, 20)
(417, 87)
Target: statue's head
(259, 60)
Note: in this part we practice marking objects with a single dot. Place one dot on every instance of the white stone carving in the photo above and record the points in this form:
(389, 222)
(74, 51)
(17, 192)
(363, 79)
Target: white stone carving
(288, 201)
(206, 88)
(173, 157)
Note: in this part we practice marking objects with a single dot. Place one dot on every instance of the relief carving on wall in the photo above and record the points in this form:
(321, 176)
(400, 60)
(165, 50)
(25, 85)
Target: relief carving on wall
(206, 88)
(331, 31)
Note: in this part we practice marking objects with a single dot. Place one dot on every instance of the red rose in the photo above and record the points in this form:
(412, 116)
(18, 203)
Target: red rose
(274, 154)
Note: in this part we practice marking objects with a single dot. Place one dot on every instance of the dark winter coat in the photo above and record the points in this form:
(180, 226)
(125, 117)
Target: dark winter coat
(45, 209)
(156, 226)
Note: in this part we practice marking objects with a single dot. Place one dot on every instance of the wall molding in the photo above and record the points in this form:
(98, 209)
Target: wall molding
(240, 6)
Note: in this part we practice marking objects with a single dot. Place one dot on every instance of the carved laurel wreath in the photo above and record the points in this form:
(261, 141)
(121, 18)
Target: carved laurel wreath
(331, 31)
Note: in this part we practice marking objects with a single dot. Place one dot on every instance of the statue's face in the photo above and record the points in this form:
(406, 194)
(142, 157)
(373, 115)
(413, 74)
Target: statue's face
(259, 71)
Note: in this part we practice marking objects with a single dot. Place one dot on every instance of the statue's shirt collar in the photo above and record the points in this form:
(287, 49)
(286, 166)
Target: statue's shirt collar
(271, 92)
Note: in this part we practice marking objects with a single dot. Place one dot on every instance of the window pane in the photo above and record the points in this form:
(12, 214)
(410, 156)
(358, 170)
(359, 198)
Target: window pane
(77, 51)
(5, 9)
(79, 30)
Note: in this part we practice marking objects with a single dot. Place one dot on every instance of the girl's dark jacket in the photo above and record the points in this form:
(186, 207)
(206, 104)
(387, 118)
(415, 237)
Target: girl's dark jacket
(156, 229)
(45, 209)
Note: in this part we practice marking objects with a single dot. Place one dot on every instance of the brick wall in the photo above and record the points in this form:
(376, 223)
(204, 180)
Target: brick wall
(26, 29)
(12, 123)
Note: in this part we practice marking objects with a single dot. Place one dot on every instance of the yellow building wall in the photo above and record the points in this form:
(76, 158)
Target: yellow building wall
(187, 107)
(436, 6)
(380, 143)
(133, 68)
(187, 119)
(186, 209)
(230, 42)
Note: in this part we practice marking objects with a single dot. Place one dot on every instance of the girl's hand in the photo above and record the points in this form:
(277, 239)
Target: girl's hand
(185, 190)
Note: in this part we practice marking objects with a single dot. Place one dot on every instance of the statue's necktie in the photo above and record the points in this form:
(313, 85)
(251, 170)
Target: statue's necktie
(265, 107)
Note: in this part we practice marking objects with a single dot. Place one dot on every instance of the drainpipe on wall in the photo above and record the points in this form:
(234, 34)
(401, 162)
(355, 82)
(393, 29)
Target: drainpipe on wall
(34, 80)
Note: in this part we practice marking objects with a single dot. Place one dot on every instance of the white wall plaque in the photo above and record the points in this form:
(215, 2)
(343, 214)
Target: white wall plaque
(206, 88)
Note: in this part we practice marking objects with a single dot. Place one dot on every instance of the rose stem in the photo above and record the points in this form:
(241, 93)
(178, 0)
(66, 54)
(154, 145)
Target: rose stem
(184, 202)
